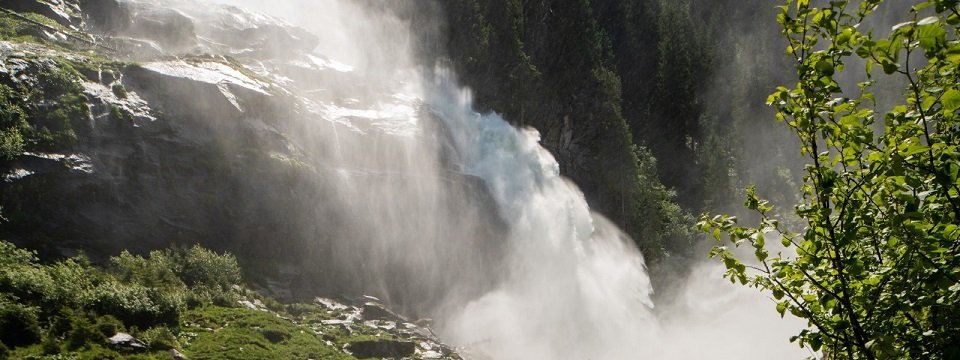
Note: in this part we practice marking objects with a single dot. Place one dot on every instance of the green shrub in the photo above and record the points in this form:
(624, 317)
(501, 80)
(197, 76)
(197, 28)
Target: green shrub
(159, 275)
(12, 123)
(72, 282)
(52, 104)
(210, 276)
(108, 325)
(11, 255)
(61, 323)
(133, 304)
(83, 334)
(51, 346)
(274, 335)
(170, 304)
(159, 338)
(119, 90)
(203, 295)
(11, 142)
(18, 324)
(83, 305)
(158, 271)
(206, 268)
(30, 284)
(4, 352)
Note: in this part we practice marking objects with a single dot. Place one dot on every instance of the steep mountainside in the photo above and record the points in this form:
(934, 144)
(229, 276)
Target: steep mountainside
(130, 125)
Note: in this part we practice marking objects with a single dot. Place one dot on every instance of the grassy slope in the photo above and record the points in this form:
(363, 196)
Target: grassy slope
(62, 303)
(216, 332)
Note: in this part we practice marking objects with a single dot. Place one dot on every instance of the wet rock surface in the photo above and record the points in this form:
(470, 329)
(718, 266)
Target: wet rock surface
(376, 311)
(209, 28)
(199, 130)
(107, 15)
(377, 338)
(237, 31)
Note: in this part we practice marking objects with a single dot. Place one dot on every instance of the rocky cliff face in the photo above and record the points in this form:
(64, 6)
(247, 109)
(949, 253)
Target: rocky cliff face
(200, 126)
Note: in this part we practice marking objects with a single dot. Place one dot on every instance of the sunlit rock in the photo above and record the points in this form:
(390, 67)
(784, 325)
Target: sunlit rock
(234, 30)
(127, 342)
(201, 87)
(65, 12)
(169, 27)
(181, 27)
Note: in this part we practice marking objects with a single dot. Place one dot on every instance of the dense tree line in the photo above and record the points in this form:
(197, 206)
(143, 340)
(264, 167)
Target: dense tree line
(643, 102)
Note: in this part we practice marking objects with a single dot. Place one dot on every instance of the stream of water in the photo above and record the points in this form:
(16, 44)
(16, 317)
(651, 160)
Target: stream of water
(566, 283)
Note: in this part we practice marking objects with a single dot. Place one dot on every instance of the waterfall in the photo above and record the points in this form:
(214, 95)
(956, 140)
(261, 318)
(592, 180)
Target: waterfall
(575, 286)
(416, 167)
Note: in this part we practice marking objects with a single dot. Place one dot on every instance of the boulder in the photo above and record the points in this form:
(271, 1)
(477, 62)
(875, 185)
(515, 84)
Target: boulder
(376, 311)
(127, 342)
(382, 349)
(329, 304)
(177, 355)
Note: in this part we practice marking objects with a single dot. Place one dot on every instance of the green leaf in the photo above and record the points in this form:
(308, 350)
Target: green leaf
(816, 343)
(889, 67)
(825, 67)
(931, 35)
(761, 254)
(951, 100)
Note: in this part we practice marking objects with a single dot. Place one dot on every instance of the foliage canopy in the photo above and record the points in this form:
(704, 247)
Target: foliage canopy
(874, 267)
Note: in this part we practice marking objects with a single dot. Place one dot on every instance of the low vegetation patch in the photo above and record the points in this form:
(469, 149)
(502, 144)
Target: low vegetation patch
(234, 333)
(73, 306)
(41, 114)
(183, 299)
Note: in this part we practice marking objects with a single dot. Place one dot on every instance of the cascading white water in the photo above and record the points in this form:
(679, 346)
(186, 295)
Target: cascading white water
(561, 283)
(575, 288)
